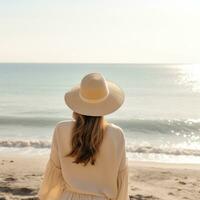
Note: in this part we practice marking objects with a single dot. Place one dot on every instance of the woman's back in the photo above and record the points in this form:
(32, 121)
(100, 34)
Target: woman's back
(107, 178)
(100, 178)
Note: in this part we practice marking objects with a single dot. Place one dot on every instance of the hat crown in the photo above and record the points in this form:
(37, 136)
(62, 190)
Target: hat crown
(93, 87)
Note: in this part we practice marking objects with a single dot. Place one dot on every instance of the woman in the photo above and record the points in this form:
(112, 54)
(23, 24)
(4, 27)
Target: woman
(88, 158)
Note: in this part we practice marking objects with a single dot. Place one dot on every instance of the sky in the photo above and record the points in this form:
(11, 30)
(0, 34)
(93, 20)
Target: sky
(100, 31)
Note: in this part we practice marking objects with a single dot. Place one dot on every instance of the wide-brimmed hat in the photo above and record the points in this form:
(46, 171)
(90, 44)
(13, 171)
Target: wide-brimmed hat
(95, 96)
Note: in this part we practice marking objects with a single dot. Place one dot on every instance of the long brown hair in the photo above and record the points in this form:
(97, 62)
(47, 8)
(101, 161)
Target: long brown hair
(87, 136)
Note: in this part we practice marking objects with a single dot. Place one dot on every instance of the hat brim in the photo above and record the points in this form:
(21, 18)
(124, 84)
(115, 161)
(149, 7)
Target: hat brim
(113, 101)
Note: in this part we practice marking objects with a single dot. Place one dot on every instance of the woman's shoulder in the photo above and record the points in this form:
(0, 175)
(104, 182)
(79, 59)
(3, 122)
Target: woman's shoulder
(64, 124)
(116, 127)
(62, 128)
(116, 131)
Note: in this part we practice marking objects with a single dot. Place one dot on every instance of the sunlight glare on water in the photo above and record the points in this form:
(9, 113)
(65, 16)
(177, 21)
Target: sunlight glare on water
(190, 76)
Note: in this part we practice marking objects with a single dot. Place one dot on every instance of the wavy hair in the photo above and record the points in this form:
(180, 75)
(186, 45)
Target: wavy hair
(87, 136)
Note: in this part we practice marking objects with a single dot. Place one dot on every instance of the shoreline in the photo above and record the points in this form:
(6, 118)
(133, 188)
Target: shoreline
(20, 177)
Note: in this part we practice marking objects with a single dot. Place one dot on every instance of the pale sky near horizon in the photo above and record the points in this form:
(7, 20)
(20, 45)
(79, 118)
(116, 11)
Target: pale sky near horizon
(134, 31)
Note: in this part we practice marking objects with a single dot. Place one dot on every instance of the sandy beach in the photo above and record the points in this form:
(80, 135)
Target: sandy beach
(20, 177)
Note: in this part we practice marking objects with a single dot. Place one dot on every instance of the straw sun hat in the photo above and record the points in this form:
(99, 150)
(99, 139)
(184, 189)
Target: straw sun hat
(94, 96)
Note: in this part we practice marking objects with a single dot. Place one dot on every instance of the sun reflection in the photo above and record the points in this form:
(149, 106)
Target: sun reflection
(190, 75)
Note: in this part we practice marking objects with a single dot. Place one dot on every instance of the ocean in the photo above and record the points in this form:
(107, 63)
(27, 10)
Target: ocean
(160, 116)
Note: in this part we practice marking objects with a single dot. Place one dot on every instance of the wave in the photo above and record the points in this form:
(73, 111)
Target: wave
(145, 149)
(25, 143)
(132, 125)
(29, 121)
(158, 150)
(159, 125)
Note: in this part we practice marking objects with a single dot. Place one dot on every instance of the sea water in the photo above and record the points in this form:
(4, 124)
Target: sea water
(160, 116)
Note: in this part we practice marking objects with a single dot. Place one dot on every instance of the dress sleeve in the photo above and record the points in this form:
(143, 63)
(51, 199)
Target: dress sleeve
(52, 184)
(122, 179)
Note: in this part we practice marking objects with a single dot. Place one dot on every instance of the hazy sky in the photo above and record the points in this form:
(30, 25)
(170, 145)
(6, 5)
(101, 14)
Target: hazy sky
(138, 31)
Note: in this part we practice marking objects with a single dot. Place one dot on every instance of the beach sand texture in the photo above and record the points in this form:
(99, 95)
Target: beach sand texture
(20, 177)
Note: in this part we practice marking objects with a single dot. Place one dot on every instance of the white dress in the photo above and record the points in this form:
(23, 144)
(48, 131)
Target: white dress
(106, 180)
